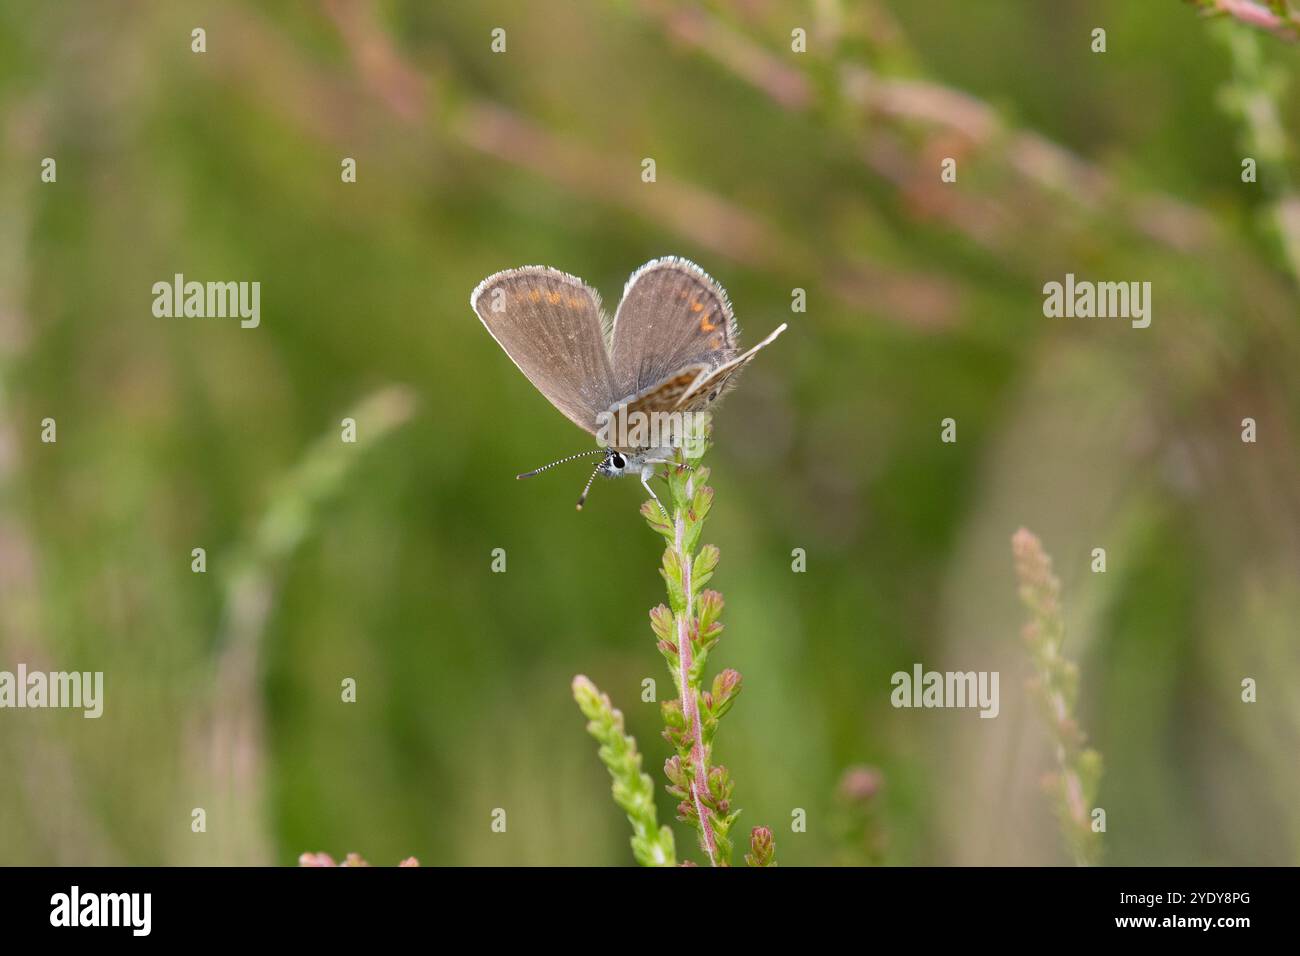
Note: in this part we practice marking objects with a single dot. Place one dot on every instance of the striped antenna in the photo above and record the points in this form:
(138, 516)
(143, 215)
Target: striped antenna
(581, 454)
(583, 497)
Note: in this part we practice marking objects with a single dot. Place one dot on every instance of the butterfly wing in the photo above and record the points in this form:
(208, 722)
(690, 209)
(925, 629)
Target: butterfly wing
(709, 385)
(692, 388)
(550, 324)
(662, 397)
(667, 395)
(672, 315)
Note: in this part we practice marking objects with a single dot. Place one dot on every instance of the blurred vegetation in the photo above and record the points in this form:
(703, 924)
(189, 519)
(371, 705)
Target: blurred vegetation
(776, 170)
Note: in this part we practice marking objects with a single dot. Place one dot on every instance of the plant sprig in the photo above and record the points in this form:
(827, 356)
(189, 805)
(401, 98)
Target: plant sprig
(686, 630)
(1055, 684)
(652, 845)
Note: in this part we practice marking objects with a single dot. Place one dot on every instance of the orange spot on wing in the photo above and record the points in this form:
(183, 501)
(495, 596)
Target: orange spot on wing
(696, 307)
(706, 325)
(553, 298)
(535, 295)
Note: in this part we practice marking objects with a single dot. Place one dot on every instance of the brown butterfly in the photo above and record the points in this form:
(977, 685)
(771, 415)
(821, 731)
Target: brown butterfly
(672, 348)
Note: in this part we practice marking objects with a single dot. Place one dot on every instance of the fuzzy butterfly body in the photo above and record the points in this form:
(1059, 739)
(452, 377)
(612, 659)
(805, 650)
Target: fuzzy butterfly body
(672, 346)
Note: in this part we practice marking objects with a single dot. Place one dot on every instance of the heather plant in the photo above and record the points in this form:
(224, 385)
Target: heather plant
(858, 819)
(652, 845)
(686, 629)
(1055, 685)
(1252, 97)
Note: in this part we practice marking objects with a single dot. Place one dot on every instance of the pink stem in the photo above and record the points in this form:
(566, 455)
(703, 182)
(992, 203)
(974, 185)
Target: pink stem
(1247, 11)
(690, 703)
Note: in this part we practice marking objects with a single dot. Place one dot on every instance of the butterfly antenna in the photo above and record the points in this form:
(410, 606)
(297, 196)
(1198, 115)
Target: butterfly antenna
(583, 497)
(581, 454)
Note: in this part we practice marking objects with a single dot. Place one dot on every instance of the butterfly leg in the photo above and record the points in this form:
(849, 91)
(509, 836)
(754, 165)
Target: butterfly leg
(647, 471)
(671, 463)
(651, 462)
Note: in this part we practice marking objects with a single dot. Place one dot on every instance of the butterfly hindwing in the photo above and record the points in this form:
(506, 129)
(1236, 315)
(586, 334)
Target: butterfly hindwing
(665, 395)
(661, 398)
(673, 315)
(550, 325)
(710, 385)
(691, 389)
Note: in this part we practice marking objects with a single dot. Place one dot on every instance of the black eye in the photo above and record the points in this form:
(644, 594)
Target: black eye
(618, 461)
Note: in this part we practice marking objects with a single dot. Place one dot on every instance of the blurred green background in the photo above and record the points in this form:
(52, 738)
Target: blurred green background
(775, 171)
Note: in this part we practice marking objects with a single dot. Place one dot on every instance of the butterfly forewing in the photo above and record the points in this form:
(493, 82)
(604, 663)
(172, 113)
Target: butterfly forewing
(673, 315)
(550, 325)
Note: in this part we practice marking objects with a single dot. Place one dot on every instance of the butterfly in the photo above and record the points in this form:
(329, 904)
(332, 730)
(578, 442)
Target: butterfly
(672, 346)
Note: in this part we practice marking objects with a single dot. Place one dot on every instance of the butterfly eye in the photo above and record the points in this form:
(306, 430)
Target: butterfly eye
(618, 461)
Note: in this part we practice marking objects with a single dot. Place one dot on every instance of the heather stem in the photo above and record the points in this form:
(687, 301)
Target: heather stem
(1275, 19)
(687, 628)
(652, 845)
(1075, 783)
(690, 693)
